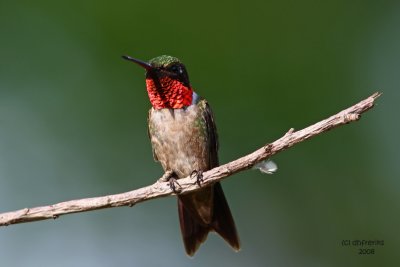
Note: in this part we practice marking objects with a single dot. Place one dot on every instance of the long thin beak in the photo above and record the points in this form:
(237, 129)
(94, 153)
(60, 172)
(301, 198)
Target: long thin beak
(143, 64)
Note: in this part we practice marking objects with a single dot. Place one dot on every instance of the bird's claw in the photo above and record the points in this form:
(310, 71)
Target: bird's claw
(169, 177)
(174, 185)
(198, 175)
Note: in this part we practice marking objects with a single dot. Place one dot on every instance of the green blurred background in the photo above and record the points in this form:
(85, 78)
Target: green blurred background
(73, 120)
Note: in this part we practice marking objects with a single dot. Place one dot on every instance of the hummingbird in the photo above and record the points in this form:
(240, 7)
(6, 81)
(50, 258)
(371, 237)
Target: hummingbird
(184, 140)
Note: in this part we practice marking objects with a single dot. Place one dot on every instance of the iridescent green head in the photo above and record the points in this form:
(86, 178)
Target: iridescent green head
(163, 66)
(164, 61)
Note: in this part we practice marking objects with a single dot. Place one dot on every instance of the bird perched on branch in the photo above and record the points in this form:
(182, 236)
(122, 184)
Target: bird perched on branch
(184, 140)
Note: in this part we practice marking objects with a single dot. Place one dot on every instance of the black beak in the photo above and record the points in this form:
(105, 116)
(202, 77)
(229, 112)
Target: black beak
(143, 64)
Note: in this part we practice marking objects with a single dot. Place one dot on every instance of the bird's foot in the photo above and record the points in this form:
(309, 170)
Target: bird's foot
(169, 176)
(198, 175)
(174, 185)
(166, 176)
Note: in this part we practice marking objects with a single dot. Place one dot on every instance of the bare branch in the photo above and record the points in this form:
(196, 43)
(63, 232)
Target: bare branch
(188, 184)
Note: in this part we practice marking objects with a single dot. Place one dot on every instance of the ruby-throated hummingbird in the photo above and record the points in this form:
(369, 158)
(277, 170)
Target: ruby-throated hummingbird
(184, 140)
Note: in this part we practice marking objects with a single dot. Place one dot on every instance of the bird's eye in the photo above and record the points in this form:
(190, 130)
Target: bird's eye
(176, 69)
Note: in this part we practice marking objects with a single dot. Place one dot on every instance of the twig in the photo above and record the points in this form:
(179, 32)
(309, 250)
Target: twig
(188, 184)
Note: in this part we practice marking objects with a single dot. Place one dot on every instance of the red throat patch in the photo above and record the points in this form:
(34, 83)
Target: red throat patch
(170, 94)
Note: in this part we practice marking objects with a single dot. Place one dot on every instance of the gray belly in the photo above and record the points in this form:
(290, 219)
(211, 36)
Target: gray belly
(178, 137)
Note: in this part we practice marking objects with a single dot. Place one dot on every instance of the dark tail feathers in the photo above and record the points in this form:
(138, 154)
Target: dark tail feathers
(195, 233)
